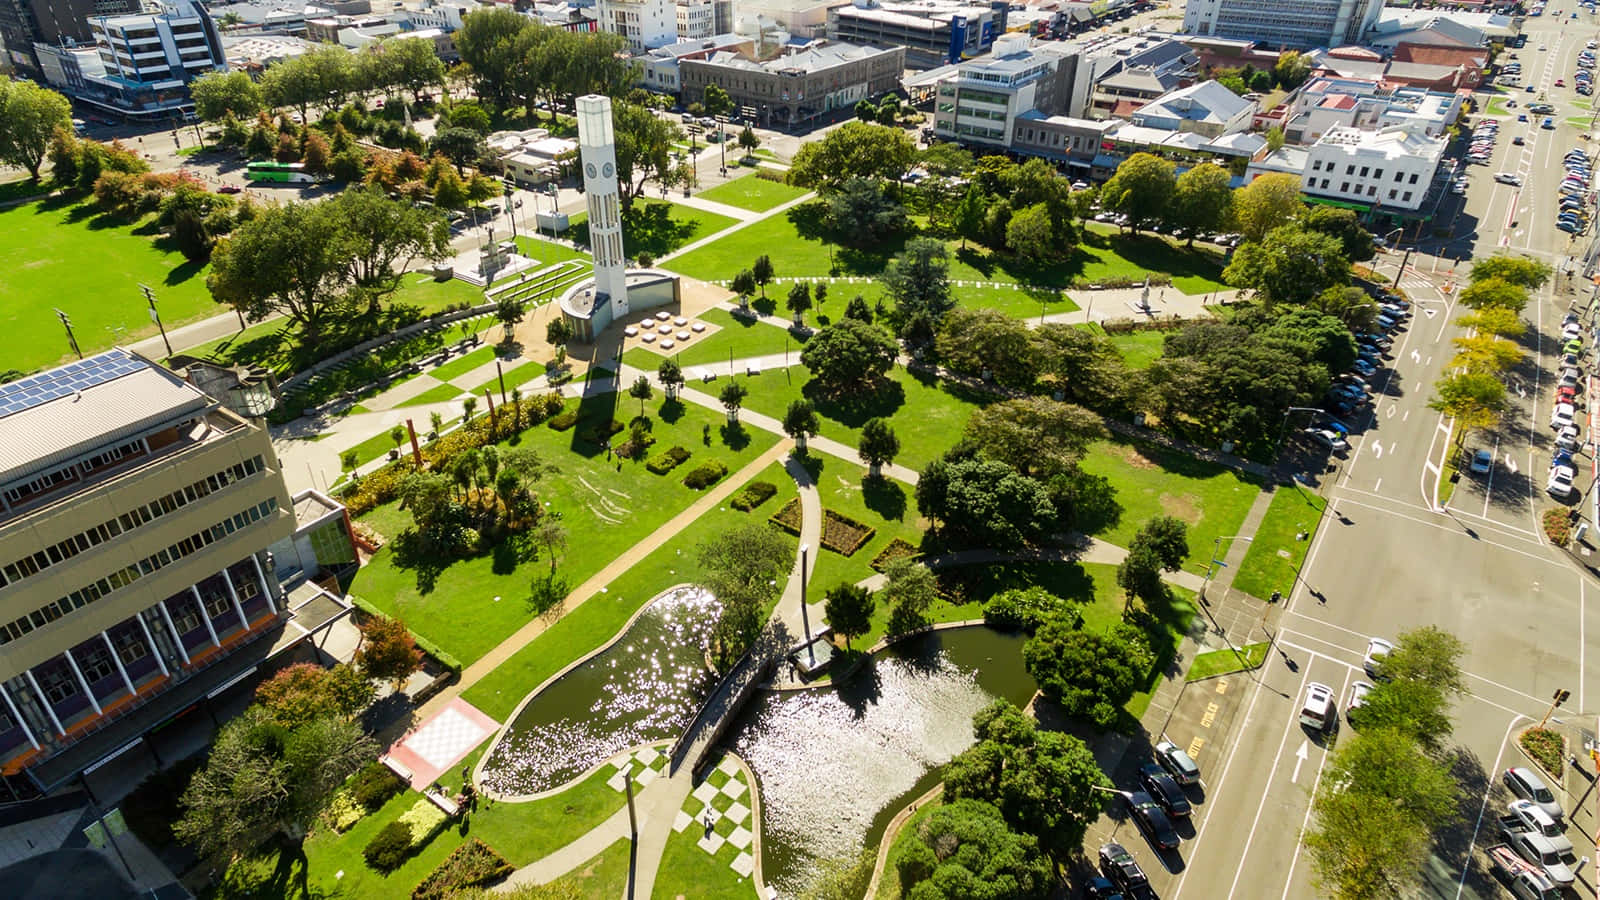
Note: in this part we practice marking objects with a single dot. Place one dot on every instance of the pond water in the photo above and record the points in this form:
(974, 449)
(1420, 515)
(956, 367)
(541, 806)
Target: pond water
(835, 764)
(645, 687)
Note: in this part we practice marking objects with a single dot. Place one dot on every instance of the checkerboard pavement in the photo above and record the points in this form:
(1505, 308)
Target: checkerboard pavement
(647, 762)
(722, 802)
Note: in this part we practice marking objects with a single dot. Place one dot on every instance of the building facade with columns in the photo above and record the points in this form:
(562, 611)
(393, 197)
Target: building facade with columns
(135, 516)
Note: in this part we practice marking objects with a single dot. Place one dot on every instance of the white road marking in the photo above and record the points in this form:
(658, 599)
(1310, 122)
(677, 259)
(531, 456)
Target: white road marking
(1478, 825)
(1376, 485)
(1294, 860)
(1272, 774)
(1299, 758)
(1582, 604)
(1377, 449)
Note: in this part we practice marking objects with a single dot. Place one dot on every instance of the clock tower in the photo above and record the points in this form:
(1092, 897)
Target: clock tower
(597, 152)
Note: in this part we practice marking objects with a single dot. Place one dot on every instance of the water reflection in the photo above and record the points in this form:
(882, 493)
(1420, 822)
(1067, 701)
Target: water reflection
(834, 763)
(645, 687)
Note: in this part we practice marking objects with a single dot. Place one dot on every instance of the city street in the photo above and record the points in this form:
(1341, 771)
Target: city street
(1389, 557)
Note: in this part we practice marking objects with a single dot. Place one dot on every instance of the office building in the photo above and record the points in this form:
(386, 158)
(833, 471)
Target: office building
(24, 23)
(645, 24)
(152, 57)
(978, 104)
(136, 513)
(1392, 169)
(1288, 23)
(933, 32)
(800, 88)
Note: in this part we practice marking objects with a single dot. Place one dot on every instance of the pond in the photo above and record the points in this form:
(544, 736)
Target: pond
(644, 687)
(836, 763)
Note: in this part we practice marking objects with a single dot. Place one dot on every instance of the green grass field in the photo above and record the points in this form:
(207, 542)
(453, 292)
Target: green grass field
(737, 338)
(750, 192)
(90, 266)
(473, 604)
(656, 227)
(1139, 348)
(1226, 661)
(436, 394)
(461, 365)
(1275, 554)
(515, 378)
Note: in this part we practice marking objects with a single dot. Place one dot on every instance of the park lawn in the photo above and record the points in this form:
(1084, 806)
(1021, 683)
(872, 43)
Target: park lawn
(600, 617)
(605, 875)
(887, 506)
(1152, 481)
(927, 415)
(1139, 348)
(739, 337)
(515, 378)
(429, 294)
(1497, 107)
(437, 394)
(473, 604)
(21, 189)
(1275, 554)
(689, 871)
(376, 447)
(1226, 661)
(461, 365)
(1103, 255)
(753, 193)
(656, 227)
(549, 252)
(60, 254)
(522, 832)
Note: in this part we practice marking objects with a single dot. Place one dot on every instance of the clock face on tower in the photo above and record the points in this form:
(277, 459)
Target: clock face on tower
(606, 170)
(590, 169)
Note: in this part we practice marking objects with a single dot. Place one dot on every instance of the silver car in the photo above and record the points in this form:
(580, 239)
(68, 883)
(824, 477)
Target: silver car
(1527, 785)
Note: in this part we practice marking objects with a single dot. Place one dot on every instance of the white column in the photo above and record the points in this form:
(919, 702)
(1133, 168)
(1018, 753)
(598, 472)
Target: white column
(177, 639)
(83, 683)
(234, 596)
(44, 701)
(18, 716)
(155, 649)
(265, 591)
(117, 661)
(204, 617)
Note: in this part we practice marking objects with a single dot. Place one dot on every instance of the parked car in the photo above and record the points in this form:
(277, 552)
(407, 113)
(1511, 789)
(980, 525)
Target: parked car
(1377, 649)
(1536, 848)
(1317, 711)
(1176, 761)
(1117, 864)
(1561, 416)
(1165, 789)
(1533, 818)
(1358, 697)
(1482, 462)
(1559, 485)
(1329, 439)
(1147, 814)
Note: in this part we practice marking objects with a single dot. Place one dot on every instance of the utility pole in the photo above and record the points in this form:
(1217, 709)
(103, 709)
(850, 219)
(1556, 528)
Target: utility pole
(66, 322)
(1403, 264)
(1556, 699)
(155, 316)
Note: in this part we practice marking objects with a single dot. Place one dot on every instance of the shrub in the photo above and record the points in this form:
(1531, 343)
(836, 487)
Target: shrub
(754, 494)
(343, 812)
(706, 475)
(473, 864)
(896, 549)
(378, 488)
(1558, 526)
(667, 460)
(844, 535)
(373, 785)
(789, 517)
(564, 420)
(389, 847)
(1547, 749)
(1027, 608)
(152, 807)
(424, 819)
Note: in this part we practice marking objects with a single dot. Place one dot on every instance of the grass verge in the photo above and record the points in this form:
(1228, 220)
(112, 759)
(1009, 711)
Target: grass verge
(1226, 661)
(1276, 552)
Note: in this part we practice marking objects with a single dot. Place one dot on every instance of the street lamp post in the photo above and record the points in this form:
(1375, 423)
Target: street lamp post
(805, 619)
(155, 316)
(722, 141)
(1283, 430)
(511, 212)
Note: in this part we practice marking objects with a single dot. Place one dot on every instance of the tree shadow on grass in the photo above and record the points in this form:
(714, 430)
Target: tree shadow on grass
(976, 258)
(186, 270)
(735, 436)
(672, 411)
(410, 554)
(503, 558)
(884, 497)
(855, 409)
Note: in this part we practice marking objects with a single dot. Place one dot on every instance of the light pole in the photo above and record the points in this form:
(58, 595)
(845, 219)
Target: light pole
(155, 316)
(1216, 549)
(722, 141)
(511, 212)
(66, 322)
(1283, 430)
(805, 620)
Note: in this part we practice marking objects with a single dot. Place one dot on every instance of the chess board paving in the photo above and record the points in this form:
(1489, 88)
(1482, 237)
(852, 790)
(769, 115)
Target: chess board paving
(432, 748)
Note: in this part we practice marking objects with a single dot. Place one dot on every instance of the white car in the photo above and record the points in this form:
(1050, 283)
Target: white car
(1377, 649)
(1562, 417)
(1328, 438)
(1318, 711)
(1508, 178)
(1538, 820)
(1358, 696)
(1560, 483)
(1571, 330)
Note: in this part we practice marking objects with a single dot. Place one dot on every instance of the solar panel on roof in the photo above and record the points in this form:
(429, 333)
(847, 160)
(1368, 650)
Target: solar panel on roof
(66, 380)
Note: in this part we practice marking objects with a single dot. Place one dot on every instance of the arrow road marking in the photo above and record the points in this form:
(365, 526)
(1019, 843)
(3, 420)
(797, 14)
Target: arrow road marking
(1377, 449)
(1416, 357)
(1511, 464)
(1299, 757)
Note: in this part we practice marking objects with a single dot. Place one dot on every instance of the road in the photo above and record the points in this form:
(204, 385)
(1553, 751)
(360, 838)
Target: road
(1389, 558)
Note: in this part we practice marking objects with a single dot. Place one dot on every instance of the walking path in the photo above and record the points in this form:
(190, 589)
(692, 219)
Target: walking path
(745, 223)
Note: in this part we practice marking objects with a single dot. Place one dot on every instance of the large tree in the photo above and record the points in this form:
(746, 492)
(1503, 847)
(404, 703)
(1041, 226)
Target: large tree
(1031, 235)
(218, 94)
(491, 43)
(918, 280)
(1045, 783)
(849, 358)
(1494, 292)
(978, 341)
(305, 692)
(985, 502)
(1090, 674)
(854, 150)
(1203, 199)
(909, 589)
(1141, 189)
(410, 63)
(29, 115)
(388, 652)
(1518, 270)
(1269, 202)
(1475, 399)
(286, 260)
(1345, 225)
(261, 779)
(849, 610)
(965, 851)
(862, 214)
(381, 237)
(644, 149)
(1290, 265)
(1036, 436)
(743, 568)
(320, 77)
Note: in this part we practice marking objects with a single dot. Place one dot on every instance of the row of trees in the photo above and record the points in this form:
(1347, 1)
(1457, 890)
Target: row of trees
(324, 78)
(514, 60)
(1390, 787)
(1473, 391)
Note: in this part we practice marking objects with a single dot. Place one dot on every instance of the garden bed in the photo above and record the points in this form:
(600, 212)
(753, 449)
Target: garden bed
(789, 517)
(473, 864)
(844, 535)
(896, 549)
(754, 494)
(1546, 747)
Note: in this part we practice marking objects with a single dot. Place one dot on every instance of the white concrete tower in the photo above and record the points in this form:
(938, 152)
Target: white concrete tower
(598, 151)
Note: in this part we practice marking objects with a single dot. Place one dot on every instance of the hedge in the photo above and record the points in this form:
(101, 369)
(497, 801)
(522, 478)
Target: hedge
(789, 517)
(845, 535)
(429, 647)
(1025, 609)
(564, 421)
(667, 460)
(373, 785)
(389, 847)
(473, 864)
(706, 475)
(754, 494)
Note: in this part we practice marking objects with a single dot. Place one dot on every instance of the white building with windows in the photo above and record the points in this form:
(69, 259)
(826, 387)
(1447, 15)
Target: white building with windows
(1392, 168)
(646, 24)
(1291, 23)
(159, 51)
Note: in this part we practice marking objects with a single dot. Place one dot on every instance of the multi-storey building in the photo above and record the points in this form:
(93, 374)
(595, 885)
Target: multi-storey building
(153, 57)
(24, 23)
(135, 517)
(800, 88)
(1205, 108)
(645, 24)
(980, 103)
(1292, 23)
(933, 32)
(1392, 169)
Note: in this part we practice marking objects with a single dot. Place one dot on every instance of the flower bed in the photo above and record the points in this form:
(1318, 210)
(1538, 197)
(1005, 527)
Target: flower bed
(667, 460)
(754, 494)
(398, 840)
(789, 518)
(896, 549)
(473, 864)
(1547, 749)
(844, 535)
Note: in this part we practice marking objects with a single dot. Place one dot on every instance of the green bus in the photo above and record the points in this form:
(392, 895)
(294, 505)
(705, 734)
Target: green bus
(282, 173)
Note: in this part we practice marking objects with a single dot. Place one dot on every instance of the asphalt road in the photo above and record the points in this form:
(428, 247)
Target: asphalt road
(1390, 558)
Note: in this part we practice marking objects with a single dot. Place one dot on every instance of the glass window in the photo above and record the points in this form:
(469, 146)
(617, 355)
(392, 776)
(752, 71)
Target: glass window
(96, 664)
(57, 684)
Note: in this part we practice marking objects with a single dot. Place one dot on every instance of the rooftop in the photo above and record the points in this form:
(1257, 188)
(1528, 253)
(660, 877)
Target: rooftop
(57, 414)
(1205, 101)
(817, 59)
